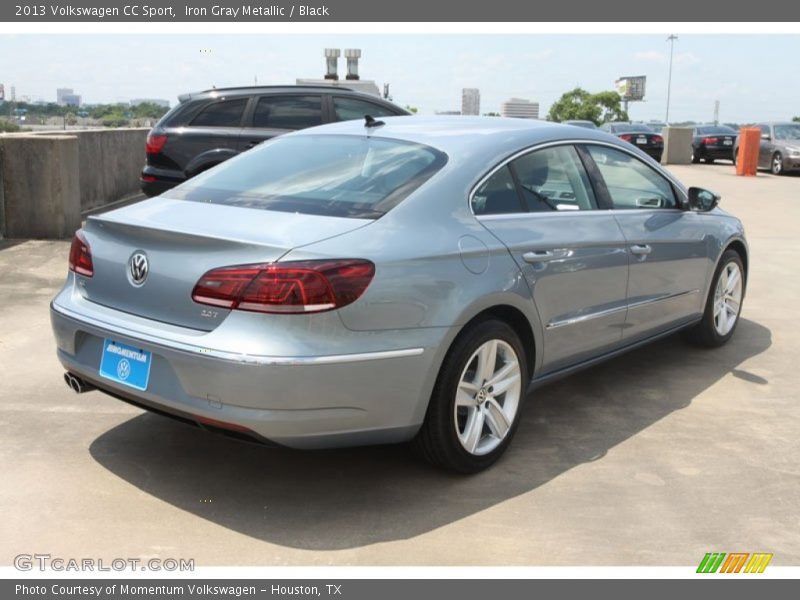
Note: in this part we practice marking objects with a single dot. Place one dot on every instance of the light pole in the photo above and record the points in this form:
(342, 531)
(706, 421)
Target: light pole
(671, 39)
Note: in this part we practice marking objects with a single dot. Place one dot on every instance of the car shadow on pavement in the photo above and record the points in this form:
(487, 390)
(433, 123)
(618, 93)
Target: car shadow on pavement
(336, 499)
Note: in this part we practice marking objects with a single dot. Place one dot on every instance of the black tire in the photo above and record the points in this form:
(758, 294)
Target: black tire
(437, 440)
(776, 165)
(695, 157)
(705, 334)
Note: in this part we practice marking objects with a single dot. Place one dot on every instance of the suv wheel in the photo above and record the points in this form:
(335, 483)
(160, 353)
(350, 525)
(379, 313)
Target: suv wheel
(475, 406)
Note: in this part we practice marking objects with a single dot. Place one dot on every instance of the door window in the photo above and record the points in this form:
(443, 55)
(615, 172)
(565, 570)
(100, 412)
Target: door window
(225, 113)
(288, 112)
(630, 182)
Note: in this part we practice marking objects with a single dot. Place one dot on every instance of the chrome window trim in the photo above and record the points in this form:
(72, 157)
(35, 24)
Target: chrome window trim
(571, 142)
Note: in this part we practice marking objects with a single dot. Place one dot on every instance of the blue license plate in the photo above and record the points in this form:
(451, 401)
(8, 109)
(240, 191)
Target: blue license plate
(125, 364)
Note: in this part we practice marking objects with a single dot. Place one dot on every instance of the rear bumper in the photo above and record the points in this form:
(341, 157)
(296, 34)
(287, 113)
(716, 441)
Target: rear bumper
(337, 399)
(155, 181)
(716, 152)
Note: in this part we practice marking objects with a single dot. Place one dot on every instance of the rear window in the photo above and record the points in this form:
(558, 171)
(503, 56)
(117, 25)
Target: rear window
(224, 113)
(334, 175)
(718, 129)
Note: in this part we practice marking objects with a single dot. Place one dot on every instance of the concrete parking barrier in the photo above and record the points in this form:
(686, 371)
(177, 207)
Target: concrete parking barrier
(677, 146)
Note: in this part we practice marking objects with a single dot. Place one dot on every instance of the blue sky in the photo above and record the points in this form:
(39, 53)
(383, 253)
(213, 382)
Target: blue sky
(752, 76)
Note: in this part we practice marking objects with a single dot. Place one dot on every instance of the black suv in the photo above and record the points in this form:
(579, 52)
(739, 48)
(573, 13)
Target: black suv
(207, 128)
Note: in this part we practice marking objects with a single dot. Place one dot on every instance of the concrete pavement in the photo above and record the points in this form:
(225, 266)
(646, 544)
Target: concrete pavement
(654, 458)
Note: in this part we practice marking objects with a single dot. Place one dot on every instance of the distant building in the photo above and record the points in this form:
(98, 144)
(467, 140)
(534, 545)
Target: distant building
(520, 108)
(156, 101)
(470, 101)
(13, 94)
(70, 100)
(2, 92)
(61, 92)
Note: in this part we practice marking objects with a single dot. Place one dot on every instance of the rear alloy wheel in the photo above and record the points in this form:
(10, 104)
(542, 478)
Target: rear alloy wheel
(777, 164)
(723, 305)
(475, 406)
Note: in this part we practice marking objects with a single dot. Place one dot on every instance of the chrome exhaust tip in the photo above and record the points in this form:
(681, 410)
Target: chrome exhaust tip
(76, 384)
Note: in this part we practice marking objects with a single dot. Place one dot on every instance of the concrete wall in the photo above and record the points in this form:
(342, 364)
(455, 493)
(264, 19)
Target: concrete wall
(39, 191)
(48, 179)
(110, 162)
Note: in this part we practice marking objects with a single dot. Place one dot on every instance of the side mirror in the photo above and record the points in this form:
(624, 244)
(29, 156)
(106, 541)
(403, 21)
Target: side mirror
(766, 137)
(702, 200)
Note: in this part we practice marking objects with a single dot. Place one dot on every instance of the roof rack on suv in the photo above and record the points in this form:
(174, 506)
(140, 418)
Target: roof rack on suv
(187, 96)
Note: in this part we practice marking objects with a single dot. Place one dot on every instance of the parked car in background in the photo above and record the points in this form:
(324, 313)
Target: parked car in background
(779, 150)
(363, 283)
(638, 134)
(579, 123)
(207, 128)
(656, 126)
(713, 142)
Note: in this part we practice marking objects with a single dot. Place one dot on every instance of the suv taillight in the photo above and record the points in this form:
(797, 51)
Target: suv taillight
(154, 143)
(289, 287)
(80, 255)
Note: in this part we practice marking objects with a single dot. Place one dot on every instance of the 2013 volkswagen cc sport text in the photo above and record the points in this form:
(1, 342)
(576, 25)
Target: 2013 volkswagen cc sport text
(385, 281)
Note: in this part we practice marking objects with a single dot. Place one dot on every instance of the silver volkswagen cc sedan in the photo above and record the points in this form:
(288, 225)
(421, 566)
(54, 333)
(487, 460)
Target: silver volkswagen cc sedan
(386, 281)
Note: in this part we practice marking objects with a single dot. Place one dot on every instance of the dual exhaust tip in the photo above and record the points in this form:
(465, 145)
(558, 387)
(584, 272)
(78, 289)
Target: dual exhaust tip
(76, 384)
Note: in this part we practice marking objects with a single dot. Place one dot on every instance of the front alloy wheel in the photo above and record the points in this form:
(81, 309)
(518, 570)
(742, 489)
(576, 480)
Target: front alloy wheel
(475, 405)
(723, 305)
(777, 164)
(727, 298)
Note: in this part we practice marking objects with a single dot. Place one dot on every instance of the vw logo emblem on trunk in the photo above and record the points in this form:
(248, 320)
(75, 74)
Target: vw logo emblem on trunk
(138, 268)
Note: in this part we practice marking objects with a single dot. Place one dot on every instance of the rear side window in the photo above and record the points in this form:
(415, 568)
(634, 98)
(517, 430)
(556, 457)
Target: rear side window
(334, 175)
(288, 112)
(497, 196)
(630, 182)
(225, 113)
(347, 109)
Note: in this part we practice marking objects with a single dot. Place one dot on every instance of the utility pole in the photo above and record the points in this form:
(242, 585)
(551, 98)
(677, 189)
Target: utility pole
(671, 39)
(716, 112)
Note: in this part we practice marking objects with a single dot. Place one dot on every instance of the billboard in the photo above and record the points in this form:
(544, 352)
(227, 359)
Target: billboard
(631, 88)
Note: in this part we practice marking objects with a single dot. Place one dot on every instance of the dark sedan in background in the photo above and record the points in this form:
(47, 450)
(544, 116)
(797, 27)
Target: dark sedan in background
(639, 135)
(713, 142)
(210, 127)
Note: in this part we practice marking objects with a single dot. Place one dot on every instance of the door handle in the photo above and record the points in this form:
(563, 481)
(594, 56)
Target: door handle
(537, 256)
(641, 249)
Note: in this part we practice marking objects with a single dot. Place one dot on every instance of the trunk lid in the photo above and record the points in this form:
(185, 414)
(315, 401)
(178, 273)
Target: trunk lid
(180, 242)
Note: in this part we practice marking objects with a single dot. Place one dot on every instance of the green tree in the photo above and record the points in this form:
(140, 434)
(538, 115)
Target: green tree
(412, 109)
(579, 104)
(796, 119)
(576, 104)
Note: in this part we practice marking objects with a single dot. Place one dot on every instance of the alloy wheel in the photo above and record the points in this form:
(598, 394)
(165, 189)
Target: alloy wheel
(727, 298)
(488, 397)
(777, 164)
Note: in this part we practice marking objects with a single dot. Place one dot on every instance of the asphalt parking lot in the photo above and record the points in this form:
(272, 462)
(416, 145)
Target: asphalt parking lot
(654, 458)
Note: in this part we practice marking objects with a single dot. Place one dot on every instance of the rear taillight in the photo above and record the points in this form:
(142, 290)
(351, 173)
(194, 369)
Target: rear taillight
(709, 141)
(80, 255)
(288, 287)
(657, 139)
(154, 143)
(148, 178)
(626, 136)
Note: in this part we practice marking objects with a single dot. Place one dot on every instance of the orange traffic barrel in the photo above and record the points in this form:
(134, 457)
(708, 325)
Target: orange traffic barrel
(747, 157)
